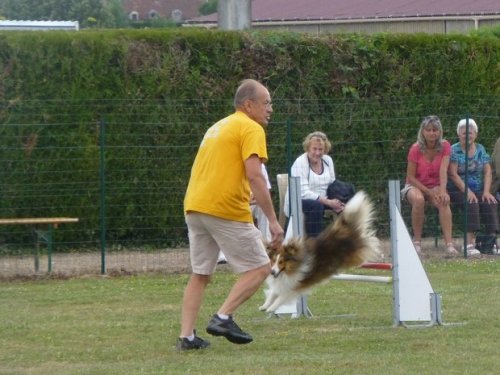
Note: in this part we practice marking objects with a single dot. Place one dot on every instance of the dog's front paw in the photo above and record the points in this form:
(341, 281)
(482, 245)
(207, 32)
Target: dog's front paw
(266, 304)
(272, 307)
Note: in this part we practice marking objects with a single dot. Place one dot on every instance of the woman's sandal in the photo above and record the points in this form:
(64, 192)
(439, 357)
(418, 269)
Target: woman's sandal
(418, 246)
(450, 249)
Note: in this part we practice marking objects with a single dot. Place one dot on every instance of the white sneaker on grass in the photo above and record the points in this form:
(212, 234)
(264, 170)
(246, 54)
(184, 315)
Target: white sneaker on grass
(472, 251)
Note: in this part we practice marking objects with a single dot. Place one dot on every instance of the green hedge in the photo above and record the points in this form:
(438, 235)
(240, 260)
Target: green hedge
(205, 64)
(158, 90)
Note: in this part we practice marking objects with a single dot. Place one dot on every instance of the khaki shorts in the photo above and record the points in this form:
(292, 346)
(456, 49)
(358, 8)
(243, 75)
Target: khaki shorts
(405, 191)
(240, 242)
(408, 187)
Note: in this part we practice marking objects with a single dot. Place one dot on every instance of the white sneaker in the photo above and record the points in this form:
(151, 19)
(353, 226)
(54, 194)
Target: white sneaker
(418, 246)
(222, 258)
(472, 251)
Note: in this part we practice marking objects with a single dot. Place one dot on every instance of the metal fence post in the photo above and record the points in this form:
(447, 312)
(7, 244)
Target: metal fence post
(102, 193)
(466, 208)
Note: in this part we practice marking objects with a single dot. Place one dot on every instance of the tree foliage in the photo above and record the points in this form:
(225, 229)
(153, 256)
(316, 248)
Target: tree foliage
(208, 7)
(487, 31)
(89, 13)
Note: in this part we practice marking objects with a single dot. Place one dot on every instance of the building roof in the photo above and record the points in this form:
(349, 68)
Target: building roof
(38, 25)
(312, 10)
(189, 8)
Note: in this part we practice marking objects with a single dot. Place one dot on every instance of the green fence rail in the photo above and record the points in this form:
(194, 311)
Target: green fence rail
(122, 166)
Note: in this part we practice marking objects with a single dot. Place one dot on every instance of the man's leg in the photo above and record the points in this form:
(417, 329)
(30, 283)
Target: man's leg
(244, 288)
(222, 323)
(203, 257)
(191, 303)
(247, 256)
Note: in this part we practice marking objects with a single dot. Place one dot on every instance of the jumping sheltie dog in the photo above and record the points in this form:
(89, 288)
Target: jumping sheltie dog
(299, 264)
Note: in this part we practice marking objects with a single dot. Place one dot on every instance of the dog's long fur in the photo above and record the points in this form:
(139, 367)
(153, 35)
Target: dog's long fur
(299, 265)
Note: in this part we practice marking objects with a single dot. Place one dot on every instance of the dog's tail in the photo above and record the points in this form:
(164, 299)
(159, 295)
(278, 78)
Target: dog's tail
(348, 242)
(354, 227)
(359, 215)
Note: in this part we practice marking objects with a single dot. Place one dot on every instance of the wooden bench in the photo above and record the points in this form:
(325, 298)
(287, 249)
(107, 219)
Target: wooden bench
(45, 235)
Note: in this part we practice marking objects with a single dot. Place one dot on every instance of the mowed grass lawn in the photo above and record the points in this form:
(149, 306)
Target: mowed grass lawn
(129, 325)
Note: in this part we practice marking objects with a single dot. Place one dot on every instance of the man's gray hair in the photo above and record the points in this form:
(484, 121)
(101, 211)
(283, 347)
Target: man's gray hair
(246, 90)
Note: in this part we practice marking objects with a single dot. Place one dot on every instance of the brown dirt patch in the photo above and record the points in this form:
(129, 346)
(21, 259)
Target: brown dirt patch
(127, 262)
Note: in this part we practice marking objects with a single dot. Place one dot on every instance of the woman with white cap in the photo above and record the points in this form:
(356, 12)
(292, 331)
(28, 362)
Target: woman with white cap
(477, 170)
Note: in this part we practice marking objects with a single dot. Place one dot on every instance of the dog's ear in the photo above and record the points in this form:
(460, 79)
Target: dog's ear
(294, 249)
(271, 252)
(296, 246)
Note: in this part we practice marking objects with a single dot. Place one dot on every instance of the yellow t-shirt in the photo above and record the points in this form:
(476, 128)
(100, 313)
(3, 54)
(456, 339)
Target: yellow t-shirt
(218, 185)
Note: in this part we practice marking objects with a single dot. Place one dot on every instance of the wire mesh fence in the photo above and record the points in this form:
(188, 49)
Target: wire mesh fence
(122, 166)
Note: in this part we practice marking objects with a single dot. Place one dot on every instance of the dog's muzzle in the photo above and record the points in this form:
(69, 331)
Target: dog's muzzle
(275, 273)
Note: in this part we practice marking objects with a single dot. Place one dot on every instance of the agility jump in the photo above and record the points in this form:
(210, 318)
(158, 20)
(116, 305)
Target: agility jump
(414, 302)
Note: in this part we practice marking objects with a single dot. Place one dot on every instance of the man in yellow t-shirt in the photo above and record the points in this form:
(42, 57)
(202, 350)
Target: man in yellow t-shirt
(224, 191)
(227, 167)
